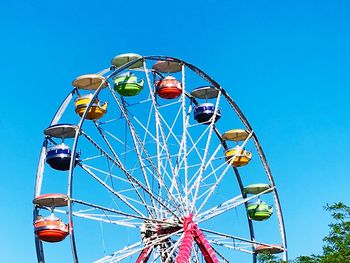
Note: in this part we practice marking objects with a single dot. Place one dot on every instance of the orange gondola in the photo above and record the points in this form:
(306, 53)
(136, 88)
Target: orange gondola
(50, 230)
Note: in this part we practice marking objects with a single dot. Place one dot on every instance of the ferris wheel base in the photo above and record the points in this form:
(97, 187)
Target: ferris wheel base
(191, 234)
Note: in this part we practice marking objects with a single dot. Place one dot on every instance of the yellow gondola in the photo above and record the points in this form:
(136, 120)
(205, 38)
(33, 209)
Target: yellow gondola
(240, 157)
(96, 111)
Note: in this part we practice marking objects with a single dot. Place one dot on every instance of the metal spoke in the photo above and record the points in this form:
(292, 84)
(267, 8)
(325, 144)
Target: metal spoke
(165, 146)
(135, 248)
(138, 141)
(222, 174)
(117, 158)
(227, 206)
(131, 178)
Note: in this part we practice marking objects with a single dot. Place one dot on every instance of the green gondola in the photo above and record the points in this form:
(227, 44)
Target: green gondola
(128, 84)
(259, 211)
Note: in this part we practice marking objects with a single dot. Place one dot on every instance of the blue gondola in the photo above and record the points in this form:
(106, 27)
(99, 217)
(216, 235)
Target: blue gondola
(59, 156)
(204, 111)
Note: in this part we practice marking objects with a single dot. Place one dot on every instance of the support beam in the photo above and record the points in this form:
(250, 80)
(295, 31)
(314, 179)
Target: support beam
(144, 255)
(193, 233)
(187, 241)
(205, 247)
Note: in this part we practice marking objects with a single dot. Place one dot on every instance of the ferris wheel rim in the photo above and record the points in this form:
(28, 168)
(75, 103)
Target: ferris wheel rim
(206, 77)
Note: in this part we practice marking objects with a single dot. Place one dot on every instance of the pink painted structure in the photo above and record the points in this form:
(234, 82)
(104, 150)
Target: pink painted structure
(191, 234)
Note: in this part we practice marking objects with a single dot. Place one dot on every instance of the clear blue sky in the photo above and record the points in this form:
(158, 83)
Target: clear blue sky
(286, 64)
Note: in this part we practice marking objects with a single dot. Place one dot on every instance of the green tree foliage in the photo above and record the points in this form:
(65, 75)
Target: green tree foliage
(337, 243)
(266, 257)
(269, 258)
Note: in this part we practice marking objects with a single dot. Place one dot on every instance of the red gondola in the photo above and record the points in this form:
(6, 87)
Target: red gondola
(168, 88)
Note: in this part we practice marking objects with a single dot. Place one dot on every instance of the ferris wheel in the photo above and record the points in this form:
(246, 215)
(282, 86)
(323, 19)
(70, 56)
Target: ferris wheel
(151, 160)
